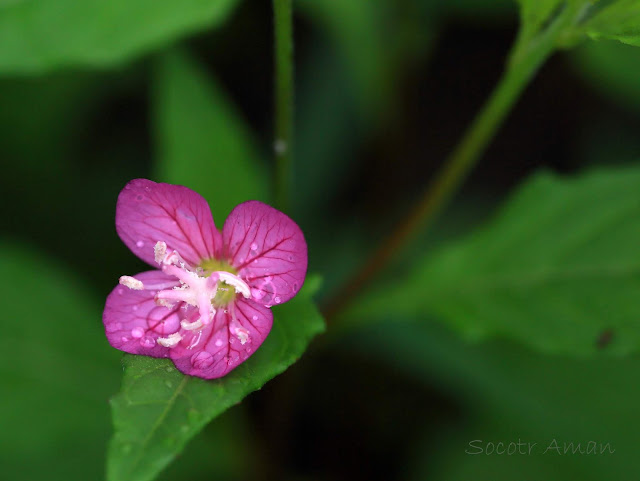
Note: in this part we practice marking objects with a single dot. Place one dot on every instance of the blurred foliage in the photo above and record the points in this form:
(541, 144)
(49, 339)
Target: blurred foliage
(557, 268)
(57, 370)
(511, 393)
(79, 125)
(40, 35)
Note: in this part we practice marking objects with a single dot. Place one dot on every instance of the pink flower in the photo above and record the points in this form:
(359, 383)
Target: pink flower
(208, 306)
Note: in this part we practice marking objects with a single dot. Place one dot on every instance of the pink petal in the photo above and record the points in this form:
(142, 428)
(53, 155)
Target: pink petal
(132, 320)
(148, 212)
(224, 344)
(268, 250)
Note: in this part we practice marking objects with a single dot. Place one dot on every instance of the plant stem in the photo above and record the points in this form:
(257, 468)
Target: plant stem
(283, 63)
(528, 54)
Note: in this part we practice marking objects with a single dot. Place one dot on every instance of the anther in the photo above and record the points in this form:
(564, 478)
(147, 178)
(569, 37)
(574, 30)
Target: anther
(131, 283)
(160, 251)
(170, 341)
(191, 326)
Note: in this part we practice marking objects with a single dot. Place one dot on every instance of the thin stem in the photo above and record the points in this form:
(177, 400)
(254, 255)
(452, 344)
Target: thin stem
(527, 56)
(283, 34)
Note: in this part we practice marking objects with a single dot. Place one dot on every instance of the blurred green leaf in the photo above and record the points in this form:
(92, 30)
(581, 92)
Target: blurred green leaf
(38, 35)
(613, 69)
(616, 20)
(510, 392)
(355, 28)
(202, 142)
(159, 409)
(558, 267)
(55, 372)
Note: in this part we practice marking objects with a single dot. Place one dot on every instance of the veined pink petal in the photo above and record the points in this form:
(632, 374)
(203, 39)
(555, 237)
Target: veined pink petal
(132, 320)
(148, 212)
(268, 250)
(224, 344)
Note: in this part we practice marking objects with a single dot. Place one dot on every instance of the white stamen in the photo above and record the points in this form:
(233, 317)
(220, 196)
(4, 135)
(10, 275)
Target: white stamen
(191, 326)
(131, 283)
(243, 335)
(160, 251)
(170, 341)
(164, 303)
(236, 282)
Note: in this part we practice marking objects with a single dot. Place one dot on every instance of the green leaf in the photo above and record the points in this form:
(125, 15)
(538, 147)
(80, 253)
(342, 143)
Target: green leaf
(506, 392)
(355, 27)
(611, 68)
(617, 20)
(54, 364)
(159, 409)
(38, 35)
(558, 268)
(202, 142)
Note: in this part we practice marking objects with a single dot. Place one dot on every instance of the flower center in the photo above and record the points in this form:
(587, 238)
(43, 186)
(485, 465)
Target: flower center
(211, 285)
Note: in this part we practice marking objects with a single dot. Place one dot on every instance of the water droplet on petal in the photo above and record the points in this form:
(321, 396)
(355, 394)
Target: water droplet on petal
(125, 339)
(257, 293)
(137, 332)
(278, 300)
(232, 340)
(135, 308)
(202, 360)
(140, 244)
(147, 342)
(219, 342)
(254, 247)
(255, 318)
(120, 291)
(290, 258)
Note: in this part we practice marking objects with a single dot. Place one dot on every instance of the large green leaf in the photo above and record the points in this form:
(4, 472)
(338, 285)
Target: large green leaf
(202, 142)
(56, 379)
(618, 20)
(557, 269)
(37, 35)
(159, 409)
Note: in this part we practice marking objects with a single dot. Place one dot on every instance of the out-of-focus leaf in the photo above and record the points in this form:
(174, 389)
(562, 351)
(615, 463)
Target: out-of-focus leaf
(327, 133)
(37, 35)
(617, 20)
(613, 69)
(202, 142)
(511, 392)
(54, 362)
(558, 267)
(159, 409)
(356, 28)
